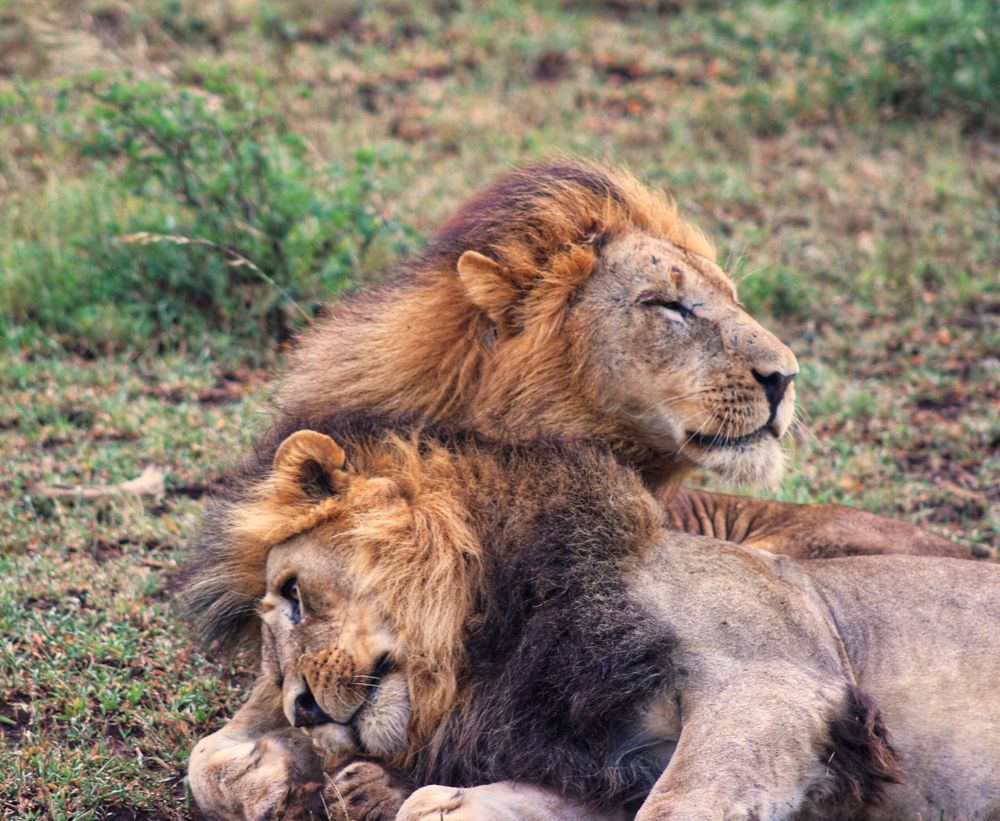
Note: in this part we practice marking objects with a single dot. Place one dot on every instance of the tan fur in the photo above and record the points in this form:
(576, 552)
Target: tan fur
(771, 648)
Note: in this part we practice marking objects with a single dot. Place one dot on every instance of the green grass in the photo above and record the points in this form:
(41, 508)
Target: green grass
(844, 157)
(200, 209)
(103, 691)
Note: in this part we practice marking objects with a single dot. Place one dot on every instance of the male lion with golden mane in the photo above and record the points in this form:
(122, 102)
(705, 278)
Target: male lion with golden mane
(516, 623)
(572, 301)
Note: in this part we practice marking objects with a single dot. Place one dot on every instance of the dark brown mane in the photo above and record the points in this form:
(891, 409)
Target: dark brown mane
(560, 657)
(531, 216)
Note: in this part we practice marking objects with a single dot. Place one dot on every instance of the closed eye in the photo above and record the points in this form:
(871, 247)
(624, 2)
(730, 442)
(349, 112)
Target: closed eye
(290, 593)
(653, 300)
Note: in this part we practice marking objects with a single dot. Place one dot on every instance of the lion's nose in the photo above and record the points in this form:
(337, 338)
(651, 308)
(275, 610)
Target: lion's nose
(775, 386)
(307, 712)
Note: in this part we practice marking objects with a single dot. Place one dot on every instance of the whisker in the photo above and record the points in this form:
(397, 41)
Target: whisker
(697, 432)
(671, 400)
(744, 277)
(734, 257)
(639, 747)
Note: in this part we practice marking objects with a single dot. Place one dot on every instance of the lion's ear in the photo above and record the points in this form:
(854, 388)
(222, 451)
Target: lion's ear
(309, 467)
(487, 285)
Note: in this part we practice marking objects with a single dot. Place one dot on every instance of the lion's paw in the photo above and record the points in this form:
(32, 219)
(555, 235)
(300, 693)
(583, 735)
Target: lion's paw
(434, 803)
(362, 791)
(273, 777)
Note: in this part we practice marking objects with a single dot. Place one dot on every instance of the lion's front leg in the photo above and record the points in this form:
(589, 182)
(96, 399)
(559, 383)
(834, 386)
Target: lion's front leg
(802, 531)
(765, 742)
(504, 801)
(257, 767)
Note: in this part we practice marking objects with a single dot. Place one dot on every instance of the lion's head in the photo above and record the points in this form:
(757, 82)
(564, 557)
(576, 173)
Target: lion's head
(667, 347)
(565, 300)
(377, 569)
(346, 561)
(333, 650)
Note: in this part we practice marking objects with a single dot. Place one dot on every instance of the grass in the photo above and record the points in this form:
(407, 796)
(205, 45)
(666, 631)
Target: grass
(843, 155)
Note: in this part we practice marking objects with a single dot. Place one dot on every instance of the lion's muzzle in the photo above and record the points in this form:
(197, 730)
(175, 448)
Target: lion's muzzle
(336, 685)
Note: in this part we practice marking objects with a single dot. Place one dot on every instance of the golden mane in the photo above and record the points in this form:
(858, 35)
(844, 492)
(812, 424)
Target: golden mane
(422, 345)
(543, 222)
(395, 505)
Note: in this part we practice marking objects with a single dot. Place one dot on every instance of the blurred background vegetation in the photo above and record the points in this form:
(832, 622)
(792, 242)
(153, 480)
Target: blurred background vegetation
(184, 183)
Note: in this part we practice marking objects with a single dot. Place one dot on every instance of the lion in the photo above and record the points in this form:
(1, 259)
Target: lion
(517, 623)
(572, 301)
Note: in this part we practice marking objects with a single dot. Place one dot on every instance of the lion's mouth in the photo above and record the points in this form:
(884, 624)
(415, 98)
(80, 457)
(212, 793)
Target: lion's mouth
(714, 440)
(365, 730)
(383, 666)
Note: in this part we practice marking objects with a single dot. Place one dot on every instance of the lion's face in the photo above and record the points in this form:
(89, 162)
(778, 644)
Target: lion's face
(333, 654)
(666, 345)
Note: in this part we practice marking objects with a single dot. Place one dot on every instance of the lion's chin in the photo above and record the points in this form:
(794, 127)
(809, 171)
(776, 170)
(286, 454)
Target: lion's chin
(757, 464)
(382, 724)
(336, 740)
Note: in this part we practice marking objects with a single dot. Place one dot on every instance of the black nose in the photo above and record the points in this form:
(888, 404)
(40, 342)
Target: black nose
(307, 712)
(775, 384)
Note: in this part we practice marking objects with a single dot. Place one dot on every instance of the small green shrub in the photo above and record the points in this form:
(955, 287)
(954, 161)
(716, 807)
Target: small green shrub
(808, 61)
(211, 214)
(938, 56)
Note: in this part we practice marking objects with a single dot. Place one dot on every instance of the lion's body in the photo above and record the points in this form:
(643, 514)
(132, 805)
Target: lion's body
(552, 632)
(566, 302)
(538, 309)
(918, 635)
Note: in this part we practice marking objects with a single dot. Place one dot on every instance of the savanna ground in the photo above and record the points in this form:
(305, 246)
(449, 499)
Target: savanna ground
(844, 156)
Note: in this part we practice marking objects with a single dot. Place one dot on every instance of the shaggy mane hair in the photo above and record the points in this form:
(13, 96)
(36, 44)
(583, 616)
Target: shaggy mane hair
(419, 346)
(435, 519)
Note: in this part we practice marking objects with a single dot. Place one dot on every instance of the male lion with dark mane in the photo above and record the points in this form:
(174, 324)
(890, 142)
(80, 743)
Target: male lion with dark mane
(566, 301)
(573, 301)
(516, 623)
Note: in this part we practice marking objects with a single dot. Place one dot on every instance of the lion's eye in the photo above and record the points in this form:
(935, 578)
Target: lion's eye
(652, 300)
(290, 592)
